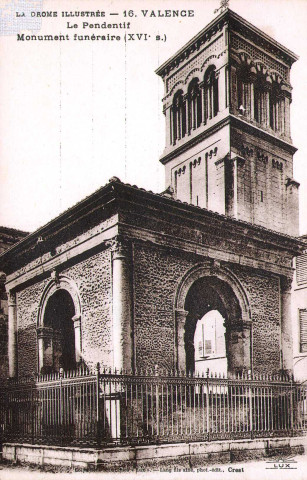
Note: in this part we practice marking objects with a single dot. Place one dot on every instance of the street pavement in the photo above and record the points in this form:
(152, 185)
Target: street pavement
(280, 469)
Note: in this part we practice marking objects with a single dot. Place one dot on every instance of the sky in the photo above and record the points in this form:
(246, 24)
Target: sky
(75, 113)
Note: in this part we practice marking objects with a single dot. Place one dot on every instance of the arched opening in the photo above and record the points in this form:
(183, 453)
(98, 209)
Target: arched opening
(211, 94)
(214, 332)
(178, 117)
(58, 333)
(195, 110)
(244, 89)
(277, 109)
(261, 95)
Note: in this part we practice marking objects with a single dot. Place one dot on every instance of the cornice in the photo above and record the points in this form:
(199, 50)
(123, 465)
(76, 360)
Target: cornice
(261, 39)
(231, 120)
(195, 215)
(204, 36)
(141, 202)
(214, 252)
(260, 133)
(177, 150)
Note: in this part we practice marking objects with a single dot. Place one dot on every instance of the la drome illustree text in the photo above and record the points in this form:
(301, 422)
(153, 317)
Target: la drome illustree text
(100, 13)
(84, 20)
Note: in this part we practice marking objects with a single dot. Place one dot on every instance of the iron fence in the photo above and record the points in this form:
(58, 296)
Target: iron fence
(107, 408)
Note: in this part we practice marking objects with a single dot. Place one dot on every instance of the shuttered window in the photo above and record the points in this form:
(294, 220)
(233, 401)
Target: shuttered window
(303, 330)
(208, 347)
(301, 269)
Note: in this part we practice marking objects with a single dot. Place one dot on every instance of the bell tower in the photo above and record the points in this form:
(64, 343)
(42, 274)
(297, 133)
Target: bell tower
(227, 108)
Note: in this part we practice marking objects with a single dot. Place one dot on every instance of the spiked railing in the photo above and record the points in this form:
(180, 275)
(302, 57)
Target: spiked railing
(108, 407)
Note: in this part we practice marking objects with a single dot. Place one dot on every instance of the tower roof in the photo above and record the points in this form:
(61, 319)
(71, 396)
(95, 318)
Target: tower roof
(235, 21)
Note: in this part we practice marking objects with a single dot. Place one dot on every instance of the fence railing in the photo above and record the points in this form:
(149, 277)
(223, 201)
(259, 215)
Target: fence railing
(107, 408)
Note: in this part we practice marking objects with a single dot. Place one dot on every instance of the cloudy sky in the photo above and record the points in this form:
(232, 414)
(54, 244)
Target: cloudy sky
(75, 113)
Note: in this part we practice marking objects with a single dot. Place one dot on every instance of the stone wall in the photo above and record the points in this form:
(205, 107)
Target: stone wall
(3, 347)
(157, 273)
(93, 279)
(263, 195)
(264, 298)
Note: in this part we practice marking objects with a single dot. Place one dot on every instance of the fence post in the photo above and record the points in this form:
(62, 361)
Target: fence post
(98, 432)
(250, 403)
(291, 405)
(208, 404)
(157, 401)
(32, 410)
(61, 405)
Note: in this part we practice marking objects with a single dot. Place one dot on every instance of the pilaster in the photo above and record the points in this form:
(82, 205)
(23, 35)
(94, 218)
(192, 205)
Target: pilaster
(239, 346)
(12, 334)
(78, 347)
(45, 348)
(122, 305)
(286, 324)
(180, 360)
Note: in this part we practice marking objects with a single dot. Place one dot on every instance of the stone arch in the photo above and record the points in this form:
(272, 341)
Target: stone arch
(194, 104)
(59, 282)
(178, 118)
(209, 269)
(178, 85)
(223, 291)
(60, 290)
(209, 62)
(211, 92)
(193, 74)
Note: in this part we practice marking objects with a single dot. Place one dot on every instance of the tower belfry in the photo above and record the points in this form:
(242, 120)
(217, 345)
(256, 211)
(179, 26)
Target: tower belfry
(228, 141)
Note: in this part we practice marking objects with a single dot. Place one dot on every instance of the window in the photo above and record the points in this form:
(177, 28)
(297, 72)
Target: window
(211, 94)
(260, 103)
(178, 117)
(301, 269)
(195, 109)
(208, 347)
(277, 110)
(244, 92)
(303, 330)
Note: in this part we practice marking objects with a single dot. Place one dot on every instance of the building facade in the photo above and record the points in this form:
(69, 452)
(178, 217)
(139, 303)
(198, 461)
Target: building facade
(228, 141)
(299, 315)
(127, 277)
(8, 237)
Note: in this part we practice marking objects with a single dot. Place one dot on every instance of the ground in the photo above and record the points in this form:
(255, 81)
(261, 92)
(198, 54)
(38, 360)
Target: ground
(287, 469)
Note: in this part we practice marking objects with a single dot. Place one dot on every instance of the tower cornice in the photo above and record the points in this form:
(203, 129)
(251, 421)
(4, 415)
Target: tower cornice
(230, 120)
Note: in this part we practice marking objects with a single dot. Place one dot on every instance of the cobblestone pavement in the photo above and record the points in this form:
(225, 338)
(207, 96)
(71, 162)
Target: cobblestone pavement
(285, 469)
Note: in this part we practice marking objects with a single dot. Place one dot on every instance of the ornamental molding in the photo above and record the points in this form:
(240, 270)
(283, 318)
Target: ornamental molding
(198, 73)
(120, 247)
(62, 282)
(257, 67)
(210, 269)
(260, 39)
(194, 46)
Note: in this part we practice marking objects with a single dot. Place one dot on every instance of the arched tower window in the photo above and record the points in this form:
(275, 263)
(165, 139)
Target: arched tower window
(277, 110)
(178, 117)
(261, 96)
(244, 89)
(195, 109)
(211, 94)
